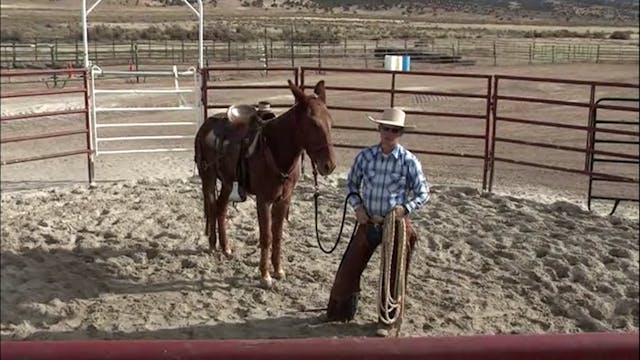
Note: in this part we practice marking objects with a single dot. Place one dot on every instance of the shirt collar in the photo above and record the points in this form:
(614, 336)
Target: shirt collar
(395, 152)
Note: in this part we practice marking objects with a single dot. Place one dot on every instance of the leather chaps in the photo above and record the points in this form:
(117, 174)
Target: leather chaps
(343, 301)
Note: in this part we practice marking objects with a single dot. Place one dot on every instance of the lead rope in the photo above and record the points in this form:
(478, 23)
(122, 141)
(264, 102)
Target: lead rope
(387, 303)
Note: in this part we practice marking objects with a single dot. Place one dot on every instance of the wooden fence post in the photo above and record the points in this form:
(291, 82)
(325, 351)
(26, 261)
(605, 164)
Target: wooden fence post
(598, 54)
(495, 58)
(530, 55)
(35, 46)
(229, 50)
(55, 46)
(553, 54)
(51, 55)
(13, 53)
(366, 64)
(77, 54)
(182, 48)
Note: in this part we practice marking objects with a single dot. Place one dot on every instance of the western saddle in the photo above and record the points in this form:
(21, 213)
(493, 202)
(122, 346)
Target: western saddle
(237, 132)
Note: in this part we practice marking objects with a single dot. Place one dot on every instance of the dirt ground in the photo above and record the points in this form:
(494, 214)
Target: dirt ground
(127, 258)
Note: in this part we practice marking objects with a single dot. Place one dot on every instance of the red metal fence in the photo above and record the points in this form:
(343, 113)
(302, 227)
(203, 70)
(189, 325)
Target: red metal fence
(392, 90)
(586, 126)
(55, 75)
(493, 116)
(585, 346)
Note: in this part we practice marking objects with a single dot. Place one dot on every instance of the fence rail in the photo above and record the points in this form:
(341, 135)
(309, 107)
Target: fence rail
(141, 53)
(493, 117)
(82, 90)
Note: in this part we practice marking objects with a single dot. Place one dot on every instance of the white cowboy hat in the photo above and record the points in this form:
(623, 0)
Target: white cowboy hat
(392, 117)
(264, 106)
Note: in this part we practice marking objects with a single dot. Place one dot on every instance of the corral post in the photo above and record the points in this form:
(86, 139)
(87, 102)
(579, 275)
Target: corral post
(266, 53)
(135, 59)
(213, 50)
(13, 53)
(51, 55)
(494, 123)
(345, 48)
(35, 48)
(229, 51)
(393, 88)
(553, 54)
(293, 63)
(95, 51)
(77, 60)
(319, 57)
(598, 54)
(530, 55)
(495, 59)
(113, 49)
(182, 48)
(55, 45)
(364, 52)
(90, 164)
(487, 137)
(591, 125)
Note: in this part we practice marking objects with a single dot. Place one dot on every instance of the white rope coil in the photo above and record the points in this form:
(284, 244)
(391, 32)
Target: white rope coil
(391, 301)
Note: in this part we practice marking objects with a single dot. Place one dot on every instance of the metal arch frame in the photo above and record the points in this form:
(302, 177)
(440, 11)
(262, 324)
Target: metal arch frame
(85, 36)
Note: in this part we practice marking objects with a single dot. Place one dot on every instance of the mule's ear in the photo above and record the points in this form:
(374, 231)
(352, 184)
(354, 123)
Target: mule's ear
(297, 92)
(319, 90)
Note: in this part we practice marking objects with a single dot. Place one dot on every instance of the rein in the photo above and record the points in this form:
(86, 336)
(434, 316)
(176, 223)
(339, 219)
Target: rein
(316, 195)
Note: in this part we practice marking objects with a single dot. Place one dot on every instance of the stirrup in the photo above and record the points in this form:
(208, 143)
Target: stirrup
(237, 194)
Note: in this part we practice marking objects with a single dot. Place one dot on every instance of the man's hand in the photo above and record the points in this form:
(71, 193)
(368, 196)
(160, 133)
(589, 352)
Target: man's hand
(400, 213)
(361, 215)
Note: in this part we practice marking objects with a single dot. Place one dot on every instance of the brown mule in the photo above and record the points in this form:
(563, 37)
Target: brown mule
(273, 166)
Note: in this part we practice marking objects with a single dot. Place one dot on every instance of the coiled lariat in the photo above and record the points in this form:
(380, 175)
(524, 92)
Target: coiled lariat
(391, 301)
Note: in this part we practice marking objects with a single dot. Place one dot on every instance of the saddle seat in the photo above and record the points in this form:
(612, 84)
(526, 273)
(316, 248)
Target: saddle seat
(236, 131)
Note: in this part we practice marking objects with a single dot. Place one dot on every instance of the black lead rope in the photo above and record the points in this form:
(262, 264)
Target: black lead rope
(316, 195)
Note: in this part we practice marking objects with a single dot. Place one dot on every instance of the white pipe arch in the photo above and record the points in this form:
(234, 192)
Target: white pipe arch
(199, 13)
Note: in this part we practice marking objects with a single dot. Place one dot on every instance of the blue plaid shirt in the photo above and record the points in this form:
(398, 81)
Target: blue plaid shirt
(387, 180)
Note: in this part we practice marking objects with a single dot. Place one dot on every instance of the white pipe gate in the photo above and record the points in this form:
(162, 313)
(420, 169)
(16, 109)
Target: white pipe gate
(194, 88)
(97, 123)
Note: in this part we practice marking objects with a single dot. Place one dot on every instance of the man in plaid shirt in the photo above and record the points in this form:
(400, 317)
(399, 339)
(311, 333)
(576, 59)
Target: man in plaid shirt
(384, 175)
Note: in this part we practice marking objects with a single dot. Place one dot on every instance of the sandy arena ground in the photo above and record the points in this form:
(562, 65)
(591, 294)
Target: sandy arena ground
(126, 258)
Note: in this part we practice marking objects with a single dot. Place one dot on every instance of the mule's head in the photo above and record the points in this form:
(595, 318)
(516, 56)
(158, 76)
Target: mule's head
(314, 127)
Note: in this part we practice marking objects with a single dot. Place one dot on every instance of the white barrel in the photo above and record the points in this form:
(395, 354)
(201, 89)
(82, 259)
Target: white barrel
(388, 62)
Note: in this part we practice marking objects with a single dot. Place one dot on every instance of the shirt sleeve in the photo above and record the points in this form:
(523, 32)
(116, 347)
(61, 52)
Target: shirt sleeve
(354, 180)
(419, 185)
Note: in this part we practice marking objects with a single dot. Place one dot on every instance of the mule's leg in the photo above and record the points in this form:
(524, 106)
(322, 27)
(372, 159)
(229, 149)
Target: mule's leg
(264, 221)
(278, 214)
(211, 218)
(205, 198)
(221, 214)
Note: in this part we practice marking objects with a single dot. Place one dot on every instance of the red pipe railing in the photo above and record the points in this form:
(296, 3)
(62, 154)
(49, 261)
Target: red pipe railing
(588, 128)
(486, 115)
(585, 346)
(85, 110)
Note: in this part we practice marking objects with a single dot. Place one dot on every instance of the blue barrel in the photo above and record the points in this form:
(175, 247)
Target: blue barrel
(406, 63)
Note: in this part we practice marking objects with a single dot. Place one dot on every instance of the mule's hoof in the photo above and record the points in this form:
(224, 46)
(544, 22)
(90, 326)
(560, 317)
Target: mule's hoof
(266, 283)
(280, 275)
(228, 253)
